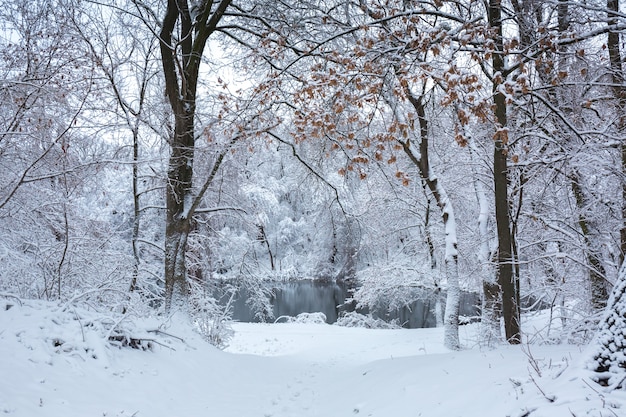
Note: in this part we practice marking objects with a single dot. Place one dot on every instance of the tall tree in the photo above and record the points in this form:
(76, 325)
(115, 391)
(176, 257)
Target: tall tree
(619, 90)
(509, 283)
(185, 29)
(421, 159)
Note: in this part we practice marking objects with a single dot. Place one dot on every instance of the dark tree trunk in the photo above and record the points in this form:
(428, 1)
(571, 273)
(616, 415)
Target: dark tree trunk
(178, 195)
(263, 239)
(506, 278)
(136, 210)
(181, 56)
(619, 91)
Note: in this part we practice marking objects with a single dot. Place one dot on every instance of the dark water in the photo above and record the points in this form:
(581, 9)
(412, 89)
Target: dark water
(310, 296)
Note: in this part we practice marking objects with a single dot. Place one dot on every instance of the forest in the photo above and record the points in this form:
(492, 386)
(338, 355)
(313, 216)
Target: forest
(152, 150)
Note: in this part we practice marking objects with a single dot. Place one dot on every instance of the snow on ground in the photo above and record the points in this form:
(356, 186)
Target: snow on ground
(55, 363)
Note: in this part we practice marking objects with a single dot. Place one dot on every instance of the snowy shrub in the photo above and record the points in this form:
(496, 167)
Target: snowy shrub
(354, 319)
(259, 300)
(391, 287)
(210, 320)
(306, 318)
(215, 331)
(312, 318)
(609, 362)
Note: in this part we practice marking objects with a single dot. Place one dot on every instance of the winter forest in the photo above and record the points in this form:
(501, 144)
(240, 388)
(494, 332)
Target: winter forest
(160, 157)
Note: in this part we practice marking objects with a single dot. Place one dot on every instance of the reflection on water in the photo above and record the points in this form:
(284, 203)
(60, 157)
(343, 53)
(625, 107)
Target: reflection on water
(310, 296)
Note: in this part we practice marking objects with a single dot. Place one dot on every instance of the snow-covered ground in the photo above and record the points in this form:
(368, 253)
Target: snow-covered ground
(56, 363)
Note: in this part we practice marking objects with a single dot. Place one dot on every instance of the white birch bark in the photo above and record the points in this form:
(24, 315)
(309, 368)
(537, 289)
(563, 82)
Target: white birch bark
(490, 322)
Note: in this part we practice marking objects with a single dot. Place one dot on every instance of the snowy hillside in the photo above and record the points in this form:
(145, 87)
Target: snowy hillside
(56, 363)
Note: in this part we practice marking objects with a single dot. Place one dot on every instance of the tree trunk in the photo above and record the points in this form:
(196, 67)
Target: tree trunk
(178, 197)
(176, 286)
(491, 306)
(181, 57)
(136, 204)
(439, 310)
(453, 300)
(619, 91)
(506, 279)
(263, 239)
(597, 273)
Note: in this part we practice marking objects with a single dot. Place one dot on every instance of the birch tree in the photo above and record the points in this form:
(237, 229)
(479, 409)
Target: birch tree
(421, 159)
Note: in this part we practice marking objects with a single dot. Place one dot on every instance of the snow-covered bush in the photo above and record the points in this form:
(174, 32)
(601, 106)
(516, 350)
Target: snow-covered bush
(387, 288)
(395, 280)
(609, 361)
(306, 318)
(259, 300)
(354, 319)
(211, 320)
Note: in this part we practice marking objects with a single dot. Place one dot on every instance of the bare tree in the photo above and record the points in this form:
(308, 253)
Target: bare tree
(129, 66)
(509, 283)
(619, 91)
(185, 30)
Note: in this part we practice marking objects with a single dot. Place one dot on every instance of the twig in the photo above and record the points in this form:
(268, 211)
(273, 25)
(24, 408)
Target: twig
(88, 292)
(308, 167)
(531, 359)
(160, 344)
(166, 334)
(528, 412)
(15, 297)
(592, 388)
(115, 324)
(82, 331)
(134, 342)
(550, 398)
(604, 403)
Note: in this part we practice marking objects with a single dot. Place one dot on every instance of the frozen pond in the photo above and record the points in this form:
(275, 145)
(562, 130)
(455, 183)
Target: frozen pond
(309, 296)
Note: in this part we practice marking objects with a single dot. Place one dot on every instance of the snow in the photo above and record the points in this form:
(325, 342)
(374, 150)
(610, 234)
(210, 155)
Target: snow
(56, 363)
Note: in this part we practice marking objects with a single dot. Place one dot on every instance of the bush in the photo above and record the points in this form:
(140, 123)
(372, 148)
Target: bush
(354, 319)
(307, 318)
(609, 361)
(210, 320)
